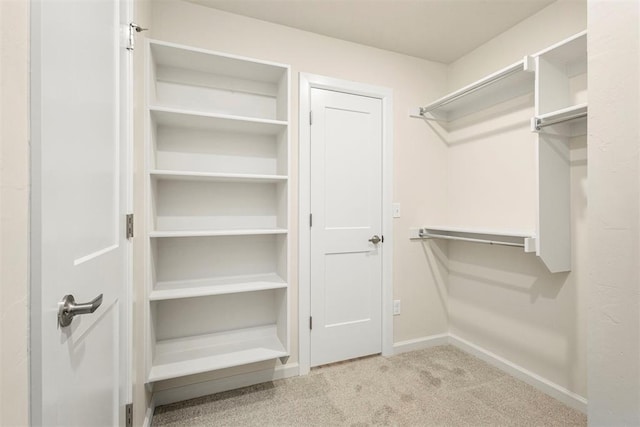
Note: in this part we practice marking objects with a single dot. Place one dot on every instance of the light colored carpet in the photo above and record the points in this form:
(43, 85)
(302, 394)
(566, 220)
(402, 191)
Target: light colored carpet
(440, 386)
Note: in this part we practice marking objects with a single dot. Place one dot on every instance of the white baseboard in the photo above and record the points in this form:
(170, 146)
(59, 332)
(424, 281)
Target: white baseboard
(420, 343)
(178, 394)
(554, 390)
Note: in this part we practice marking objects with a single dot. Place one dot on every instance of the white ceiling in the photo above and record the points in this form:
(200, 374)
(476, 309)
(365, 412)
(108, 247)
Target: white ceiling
(438, 30)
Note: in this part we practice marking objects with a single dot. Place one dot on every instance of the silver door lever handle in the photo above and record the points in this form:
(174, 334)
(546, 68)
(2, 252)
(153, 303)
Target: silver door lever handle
(68, 308)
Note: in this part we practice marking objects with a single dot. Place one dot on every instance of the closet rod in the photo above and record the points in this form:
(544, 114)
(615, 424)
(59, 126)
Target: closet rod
(471, 89)
(468, 239)
(540, 123)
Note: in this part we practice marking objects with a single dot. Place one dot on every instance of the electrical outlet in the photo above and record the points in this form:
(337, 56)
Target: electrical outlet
(396, 307)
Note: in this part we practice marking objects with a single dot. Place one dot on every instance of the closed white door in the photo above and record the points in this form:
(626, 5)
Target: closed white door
(78, 213)
(346, 208)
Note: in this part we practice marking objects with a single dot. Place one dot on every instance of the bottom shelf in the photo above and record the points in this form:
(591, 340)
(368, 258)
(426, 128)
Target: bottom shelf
(193, 355)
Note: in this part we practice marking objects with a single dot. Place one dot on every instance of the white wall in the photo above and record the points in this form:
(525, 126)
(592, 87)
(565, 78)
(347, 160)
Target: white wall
(14, 202)
(502, 299)
(420, 168)
(614, 222)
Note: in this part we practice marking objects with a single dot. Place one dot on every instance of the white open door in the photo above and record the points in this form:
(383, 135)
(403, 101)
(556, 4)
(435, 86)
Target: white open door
(79, 372)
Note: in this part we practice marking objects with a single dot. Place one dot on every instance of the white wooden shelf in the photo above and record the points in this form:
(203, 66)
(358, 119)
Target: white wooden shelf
(193, 355)
(166, 54)
(571, 53)
(520, 238)
(215, 286)
(507, 83)
(225, 203)
(215, 177)
(214, 144)
(203, 120)
(192, 78)
(564, 112)
(214, 233)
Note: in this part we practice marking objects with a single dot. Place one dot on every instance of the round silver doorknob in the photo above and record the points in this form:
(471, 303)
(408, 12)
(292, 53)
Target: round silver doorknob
(375, 239)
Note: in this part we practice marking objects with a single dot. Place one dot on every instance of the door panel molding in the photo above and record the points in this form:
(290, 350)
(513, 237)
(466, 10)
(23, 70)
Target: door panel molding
(307, 82)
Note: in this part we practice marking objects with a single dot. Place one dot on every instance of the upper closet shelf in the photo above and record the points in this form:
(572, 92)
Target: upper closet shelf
(199, 80)
(518, 238)
(560, 88)
(571, 53)
(173, 56)
(510, 82)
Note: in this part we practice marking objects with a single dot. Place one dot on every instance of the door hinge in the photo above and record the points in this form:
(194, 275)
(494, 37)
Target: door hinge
(133, 29)
(310, 322)
(310, 117)
(128, 415)
(129, 226)
(310, 220)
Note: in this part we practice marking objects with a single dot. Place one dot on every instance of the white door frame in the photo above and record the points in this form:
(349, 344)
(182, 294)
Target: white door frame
(307, 82)
(126, 125)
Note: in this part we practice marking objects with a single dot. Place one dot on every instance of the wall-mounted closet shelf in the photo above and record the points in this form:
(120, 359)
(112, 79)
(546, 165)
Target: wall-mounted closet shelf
(557, 77)
(193, 355)
(218, 177)
(504, 84)
(215, 286)
(570, 53)
(563, 115)
(517, 238)
(218, 161)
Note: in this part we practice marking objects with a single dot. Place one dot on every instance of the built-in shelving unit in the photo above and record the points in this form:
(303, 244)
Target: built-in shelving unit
(561, 105)
(557, 76)
(218, 227)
